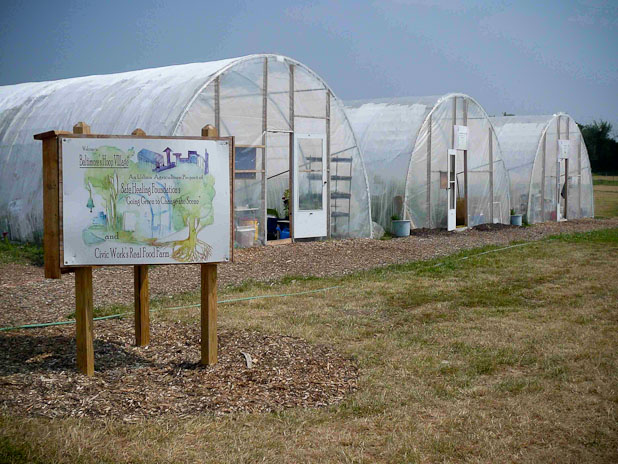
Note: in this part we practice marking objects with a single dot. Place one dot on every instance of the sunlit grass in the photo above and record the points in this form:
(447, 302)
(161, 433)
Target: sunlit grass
(496, 357)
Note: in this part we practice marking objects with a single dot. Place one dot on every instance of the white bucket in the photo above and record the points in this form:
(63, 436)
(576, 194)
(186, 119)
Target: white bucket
(245, 236)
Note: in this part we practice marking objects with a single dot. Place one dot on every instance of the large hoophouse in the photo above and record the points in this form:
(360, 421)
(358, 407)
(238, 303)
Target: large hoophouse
(417, 169)
(548, 165)
(293, 139)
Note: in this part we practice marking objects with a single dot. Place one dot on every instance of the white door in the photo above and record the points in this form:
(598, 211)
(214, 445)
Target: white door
(452, 190)
(309, 210)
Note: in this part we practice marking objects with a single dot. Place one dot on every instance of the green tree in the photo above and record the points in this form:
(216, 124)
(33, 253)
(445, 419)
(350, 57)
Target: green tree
(602, 148)
(193, 209)
(189, 191)
(106, 182)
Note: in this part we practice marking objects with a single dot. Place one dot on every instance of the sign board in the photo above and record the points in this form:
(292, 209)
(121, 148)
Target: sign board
(461, 137)
(564, 146)
(145, 200)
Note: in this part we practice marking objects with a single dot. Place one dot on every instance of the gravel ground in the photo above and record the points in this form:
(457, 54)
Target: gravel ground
(38, 376)
(27, 297)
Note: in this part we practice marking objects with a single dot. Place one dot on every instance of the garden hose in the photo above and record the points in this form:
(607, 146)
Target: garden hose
(113, 316)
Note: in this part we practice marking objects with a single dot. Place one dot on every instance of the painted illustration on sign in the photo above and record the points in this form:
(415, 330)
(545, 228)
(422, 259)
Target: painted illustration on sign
(145, 203)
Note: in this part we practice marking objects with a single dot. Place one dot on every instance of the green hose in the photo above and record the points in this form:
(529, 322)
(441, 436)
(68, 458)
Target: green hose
(113, 316)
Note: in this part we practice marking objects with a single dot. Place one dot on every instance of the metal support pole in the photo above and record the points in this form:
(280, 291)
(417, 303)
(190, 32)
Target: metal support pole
(264, 157)
(579, 171)
(454, 122)
(328, 186)
(429, 221)
(491, 175)
(291, 161)
(217, 104)
(543, 178)
(557, 189)
(465, 154)
(566, 173)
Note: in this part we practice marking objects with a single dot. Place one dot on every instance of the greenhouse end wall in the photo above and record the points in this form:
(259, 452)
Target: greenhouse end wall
(531, 146)
(405, 142)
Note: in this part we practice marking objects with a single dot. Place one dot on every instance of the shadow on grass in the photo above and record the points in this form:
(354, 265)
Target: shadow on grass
(23, 354)
(16, 452)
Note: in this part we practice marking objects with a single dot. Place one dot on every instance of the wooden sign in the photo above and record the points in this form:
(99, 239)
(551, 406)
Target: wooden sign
(128, 200)
(137, 200)
(145, 200)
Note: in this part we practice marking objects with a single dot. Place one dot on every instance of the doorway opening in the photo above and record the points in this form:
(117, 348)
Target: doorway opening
(310, 186)
(562, 189)
(457, 178)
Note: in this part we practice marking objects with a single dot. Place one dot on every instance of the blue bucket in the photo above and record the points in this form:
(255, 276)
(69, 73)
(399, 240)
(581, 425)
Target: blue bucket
(401, 228)
(516, 219)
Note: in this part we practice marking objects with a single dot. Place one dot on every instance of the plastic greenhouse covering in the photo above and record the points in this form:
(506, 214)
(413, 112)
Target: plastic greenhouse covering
(262, 100)
(405, 143)
(530, 146)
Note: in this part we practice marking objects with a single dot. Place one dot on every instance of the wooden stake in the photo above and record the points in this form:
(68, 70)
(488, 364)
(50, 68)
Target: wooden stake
(142, 294)
(209, 314)
(209, 295)
(83, 319)
(51, 206)
(142, 305)
(210, 131)
(81, 128)
(83, 302)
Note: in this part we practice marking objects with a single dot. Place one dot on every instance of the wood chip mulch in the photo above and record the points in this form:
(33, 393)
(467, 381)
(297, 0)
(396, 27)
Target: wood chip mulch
(37, 367)
(38, 375)
(27, 297)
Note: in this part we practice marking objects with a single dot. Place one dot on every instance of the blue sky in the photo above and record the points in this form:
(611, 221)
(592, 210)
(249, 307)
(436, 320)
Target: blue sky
(523, 57)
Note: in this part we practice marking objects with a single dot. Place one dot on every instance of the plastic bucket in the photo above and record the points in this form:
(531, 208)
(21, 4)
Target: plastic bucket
(401, 228)
(250, 222)
(516, 219)
(245, 236)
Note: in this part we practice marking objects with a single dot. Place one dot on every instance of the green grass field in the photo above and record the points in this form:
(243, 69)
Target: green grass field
(605, 196)
(509, 356)
(505, 357)
(605, 206)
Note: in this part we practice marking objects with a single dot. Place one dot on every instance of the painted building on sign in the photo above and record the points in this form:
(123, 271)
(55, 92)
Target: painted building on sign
(169, 160)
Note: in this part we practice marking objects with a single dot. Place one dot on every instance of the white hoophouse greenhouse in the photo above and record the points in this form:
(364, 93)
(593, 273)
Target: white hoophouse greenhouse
(540, 152)
(433, 160)
(291, 134)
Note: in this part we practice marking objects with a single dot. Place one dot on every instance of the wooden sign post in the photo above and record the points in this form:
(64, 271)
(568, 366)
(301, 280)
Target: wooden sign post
(208, 301)
(69, 241)
(83, 303)
(142, 297)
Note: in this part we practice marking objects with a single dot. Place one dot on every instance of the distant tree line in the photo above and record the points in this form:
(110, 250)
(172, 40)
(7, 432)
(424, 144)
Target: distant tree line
(602, 147)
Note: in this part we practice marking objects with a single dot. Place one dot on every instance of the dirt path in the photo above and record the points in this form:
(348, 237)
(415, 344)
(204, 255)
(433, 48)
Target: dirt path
(27, 297)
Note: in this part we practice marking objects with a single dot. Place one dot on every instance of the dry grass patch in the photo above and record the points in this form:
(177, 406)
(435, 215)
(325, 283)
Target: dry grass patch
(505, 357)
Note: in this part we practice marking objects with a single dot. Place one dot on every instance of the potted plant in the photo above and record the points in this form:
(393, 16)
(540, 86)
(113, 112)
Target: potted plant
(286, 204)
(515, 218)
(283, 224)
(400, 227)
